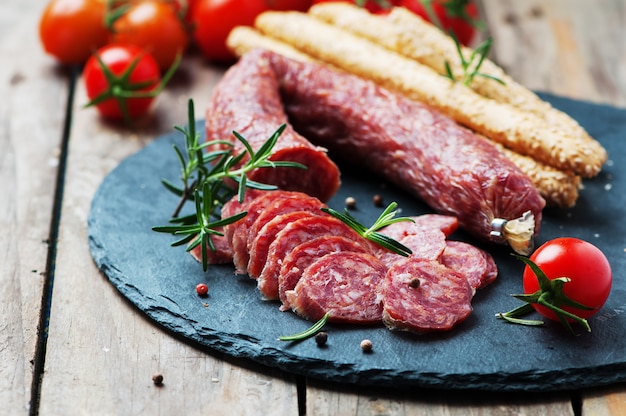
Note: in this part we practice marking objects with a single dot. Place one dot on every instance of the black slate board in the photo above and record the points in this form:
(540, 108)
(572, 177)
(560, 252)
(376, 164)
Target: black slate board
(482, 353)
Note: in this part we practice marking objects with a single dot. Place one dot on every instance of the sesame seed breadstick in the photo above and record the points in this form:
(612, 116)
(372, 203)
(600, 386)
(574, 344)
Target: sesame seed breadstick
(556, 187)
(410, 35)
(521, 131)
(242, 39)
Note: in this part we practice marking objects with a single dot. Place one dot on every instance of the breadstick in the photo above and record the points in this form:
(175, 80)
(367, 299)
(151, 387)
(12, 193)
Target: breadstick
(242, 39)
(521, 131)
(556, 187)
(410, 35)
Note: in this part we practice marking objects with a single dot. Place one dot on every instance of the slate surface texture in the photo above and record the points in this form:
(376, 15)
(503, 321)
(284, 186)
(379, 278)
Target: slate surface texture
(483, 353)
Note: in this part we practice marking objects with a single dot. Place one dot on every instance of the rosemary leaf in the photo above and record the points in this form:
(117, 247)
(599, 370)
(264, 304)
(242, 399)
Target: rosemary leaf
(386, 218)
(314, 329)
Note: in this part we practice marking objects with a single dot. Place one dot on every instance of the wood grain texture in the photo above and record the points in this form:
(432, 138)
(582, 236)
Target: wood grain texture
(101, 351)
(574, 48)
(90, 322)
(34, 93)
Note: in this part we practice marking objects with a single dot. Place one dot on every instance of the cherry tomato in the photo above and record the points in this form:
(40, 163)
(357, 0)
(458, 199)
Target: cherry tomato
(578, 260)
(214, 19)
(155, 27)
(458, 16)
(145, 76)
(71, 30)
(298, 5)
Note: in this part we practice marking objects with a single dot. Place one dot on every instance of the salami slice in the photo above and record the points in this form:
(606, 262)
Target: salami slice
(303, 255)
(446, 223)
(342, 283)
(292, 235)
(424, 296)
(247, 100)
(425, 243)
(287, 202)
(221, 255)
(452, 169)
(238, 231)
(475, 264)
(266, 235)
(231, 207)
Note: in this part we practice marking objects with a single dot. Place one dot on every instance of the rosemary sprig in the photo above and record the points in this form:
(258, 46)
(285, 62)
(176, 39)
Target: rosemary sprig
(471, 66)
(314, 329)
(371, 233)
(204, 176)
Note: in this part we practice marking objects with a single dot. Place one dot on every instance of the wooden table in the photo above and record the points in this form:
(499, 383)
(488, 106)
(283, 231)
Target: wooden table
(70, 344)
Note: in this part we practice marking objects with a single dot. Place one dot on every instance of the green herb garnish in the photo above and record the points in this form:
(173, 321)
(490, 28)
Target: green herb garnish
(203, 176)
(314, 329)
(472, 65)
(371, 233)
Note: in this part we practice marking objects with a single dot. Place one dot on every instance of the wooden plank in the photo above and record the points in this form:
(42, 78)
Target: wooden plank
(569, 47)
(323, 399)
(102, 353)
(34, 93)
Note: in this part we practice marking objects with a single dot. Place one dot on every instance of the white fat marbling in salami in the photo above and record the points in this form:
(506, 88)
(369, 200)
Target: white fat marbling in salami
(344, 284)
(424, 296)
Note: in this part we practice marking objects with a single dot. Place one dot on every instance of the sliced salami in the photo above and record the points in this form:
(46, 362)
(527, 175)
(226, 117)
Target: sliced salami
(238, 231)
(286, 203)
(221, 255)
(446, 223)
(345, 284)
(303, 255)
(425, 243)
(292, 235)
(475, 264)
(266, 235)
(424, 296)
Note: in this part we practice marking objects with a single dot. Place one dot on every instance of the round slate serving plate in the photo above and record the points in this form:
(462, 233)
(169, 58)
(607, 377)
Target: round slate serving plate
(482, 353)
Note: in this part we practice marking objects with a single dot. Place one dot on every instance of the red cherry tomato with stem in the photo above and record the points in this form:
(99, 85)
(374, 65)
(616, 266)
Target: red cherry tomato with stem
(71, 30)
(566, 280)
(122, 81)
(583, 263)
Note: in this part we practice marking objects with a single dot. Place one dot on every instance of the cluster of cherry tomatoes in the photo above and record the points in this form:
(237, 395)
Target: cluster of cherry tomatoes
(129, 48)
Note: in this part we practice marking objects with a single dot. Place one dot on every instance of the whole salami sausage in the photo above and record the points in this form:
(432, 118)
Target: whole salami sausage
(247, 100)
(449, 167)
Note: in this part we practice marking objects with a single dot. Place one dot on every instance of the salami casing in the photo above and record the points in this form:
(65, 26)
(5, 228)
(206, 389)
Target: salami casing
(247, 100)
(449, 167)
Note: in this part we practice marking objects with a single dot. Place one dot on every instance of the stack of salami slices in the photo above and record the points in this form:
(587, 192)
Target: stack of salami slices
(313, 263)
